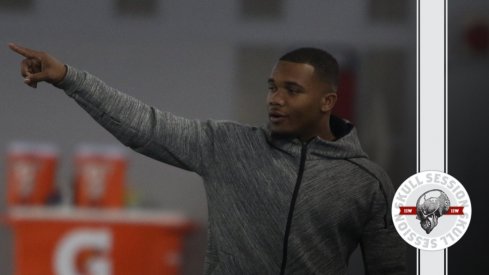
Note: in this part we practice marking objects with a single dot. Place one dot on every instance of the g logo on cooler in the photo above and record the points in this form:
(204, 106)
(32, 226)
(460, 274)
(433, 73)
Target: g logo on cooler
(419, 204)
(84, 251)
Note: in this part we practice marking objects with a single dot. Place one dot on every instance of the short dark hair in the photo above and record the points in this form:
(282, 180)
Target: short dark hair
(325, 65)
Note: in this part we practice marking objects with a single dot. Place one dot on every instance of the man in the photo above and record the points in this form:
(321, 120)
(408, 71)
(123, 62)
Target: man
(296, 197)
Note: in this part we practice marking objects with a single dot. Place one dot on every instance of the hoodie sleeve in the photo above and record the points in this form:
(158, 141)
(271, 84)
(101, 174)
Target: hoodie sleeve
(160, 135)
(384, 252)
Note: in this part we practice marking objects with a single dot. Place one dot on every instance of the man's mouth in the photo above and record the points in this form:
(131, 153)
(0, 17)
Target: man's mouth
(276, 117)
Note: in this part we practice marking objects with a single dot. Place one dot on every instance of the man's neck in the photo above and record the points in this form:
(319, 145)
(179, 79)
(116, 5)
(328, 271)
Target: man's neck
(325, 134)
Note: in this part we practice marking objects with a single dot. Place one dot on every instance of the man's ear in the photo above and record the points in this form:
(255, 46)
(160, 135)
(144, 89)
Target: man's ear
(328, 101)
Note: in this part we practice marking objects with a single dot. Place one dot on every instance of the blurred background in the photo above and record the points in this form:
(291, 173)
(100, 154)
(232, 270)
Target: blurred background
(211, 59)
(468, 86)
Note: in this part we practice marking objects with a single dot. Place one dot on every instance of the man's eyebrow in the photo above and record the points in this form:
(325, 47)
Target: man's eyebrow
(292, 83)
(288, 83)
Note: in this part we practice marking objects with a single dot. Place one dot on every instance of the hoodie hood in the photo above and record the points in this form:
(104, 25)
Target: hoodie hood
(345, 146)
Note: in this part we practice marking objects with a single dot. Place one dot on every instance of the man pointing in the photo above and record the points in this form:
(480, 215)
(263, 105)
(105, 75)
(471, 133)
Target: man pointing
(294, 197)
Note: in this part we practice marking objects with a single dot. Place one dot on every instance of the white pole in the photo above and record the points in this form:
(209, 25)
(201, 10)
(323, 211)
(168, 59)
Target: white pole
(431, 107)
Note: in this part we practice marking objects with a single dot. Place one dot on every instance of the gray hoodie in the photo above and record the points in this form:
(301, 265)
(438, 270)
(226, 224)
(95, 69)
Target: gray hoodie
(255, 225)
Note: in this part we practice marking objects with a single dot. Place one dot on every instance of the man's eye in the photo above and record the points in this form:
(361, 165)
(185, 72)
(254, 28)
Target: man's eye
(272, 88)
(292, 90)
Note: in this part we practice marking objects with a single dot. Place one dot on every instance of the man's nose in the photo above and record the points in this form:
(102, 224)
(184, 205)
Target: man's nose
(276, 98)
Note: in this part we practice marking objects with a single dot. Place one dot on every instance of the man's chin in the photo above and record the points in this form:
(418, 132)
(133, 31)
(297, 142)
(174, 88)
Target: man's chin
(279, 132)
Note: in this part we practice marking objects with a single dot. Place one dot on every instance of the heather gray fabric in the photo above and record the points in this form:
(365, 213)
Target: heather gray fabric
(249, 177)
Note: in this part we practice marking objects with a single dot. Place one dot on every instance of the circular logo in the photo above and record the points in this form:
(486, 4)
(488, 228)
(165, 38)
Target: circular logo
(431, 210)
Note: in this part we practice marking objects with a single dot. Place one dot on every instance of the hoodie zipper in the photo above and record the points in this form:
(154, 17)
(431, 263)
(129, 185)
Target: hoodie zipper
(292, 206)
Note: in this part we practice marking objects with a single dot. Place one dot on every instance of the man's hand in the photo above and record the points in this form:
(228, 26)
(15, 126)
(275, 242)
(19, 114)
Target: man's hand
(39, 66)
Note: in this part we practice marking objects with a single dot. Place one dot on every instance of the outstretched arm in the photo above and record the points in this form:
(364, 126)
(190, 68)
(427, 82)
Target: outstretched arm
(160, 135)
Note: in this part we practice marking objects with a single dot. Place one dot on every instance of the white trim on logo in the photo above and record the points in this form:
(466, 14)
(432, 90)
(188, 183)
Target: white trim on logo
(431, 211)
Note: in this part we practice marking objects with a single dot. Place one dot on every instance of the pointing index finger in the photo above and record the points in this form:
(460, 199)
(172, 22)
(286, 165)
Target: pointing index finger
(23, 51)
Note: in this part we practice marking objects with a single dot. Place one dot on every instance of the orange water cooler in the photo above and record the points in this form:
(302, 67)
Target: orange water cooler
(31, 172)
(94, 236)
(77, 241)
